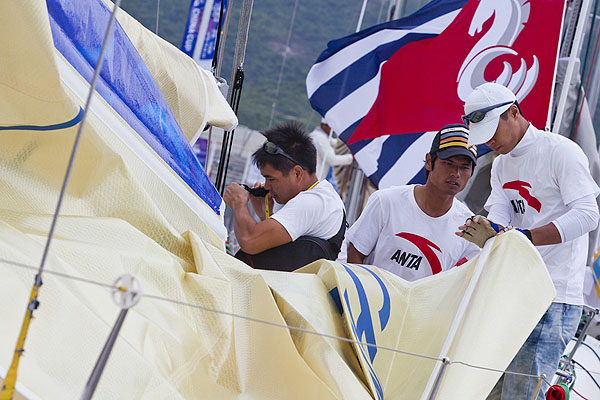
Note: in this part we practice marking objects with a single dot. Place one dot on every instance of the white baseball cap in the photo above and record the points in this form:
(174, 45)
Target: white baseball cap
(489, 101)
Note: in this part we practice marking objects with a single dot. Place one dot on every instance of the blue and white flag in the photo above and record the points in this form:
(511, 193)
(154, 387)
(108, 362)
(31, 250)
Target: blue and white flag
(201, 30)
(388, 89)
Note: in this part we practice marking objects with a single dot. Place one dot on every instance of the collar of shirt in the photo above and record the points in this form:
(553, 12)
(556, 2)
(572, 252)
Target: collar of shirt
(526, 142)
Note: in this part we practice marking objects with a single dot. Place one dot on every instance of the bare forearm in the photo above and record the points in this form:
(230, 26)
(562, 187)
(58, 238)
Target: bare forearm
(243, 226)
(547, 234)
(354, 256)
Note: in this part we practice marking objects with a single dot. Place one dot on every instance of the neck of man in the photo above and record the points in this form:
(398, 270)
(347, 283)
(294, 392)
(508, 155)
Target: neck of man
(310, 180)
(523, 126)
(432, 201)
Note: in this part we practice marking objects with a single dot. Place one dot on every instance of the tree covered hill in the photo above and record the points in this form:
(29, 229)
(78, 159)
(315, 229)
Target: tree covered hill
(316, 22)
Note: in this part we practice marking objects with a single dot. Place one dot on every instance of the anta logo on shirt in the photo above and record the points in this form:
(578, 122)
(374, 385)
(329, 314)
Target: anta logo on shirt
(413, 261)
(523, 189)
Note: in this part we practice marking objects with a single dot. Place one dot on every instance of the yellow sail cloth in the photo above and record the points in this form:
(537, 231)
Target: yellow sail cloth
(173, 351)
(126, 211)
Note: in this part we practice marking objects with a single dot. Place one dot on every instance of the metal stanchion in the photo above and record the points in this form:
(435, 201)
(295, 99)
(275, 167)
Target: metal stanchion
(126, 294)
(438, 379)
(538, 387)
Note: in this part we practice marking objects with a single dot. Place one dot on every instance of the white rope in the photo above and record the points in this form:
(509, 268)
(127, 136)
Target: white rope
(285, 52)
(271, 323)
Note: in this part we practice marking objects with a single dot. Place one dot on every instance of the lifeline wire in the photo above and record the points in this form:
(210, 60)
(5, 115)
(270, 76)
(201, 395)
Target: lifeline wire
(60, 274)
(265, 322)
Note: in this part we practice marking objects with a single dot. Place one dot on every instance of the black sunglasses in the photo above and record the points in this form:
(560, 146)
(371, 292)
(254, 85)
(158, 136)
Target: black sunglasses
(273, 149)
(478, 115)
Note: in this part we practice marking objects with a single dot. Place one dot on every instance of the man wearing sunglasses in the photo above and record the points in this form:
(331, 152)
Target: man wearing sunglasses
(310, 225)
(541, 184)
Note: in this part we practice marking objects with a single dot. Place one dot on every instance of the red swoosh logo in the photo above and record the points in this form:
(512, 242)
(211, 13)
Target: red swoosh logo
(425, 246)
(521, 187)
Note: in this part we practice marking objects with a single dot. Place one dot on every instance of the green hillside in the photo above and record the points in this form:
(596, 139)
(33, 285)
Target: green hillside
(316, 22)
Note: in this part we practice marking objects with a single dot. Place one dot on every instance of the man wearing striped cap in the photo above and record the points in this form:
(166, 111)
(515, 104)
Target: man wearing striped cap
(409, 230)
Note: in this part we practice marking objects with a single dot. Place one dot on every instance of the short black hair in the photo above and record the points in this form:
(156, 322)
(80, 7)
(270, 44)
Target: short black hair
(504, 115)
(292, 139)
(433, 158)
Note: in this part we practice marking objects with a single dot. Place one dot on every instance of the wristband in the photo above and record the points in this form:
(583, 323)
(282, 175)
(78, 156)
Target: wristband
(527, 233)
(494, 226)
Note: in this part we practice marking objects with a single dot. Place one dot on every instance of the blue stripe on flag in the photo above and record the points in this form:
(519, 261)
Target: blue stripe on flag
(328, 91)
(358, 73)
(430, 11)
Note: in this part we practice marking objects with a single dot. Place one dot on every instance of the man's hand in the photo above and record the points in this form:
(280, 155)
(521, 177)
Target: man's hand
(235, 196)
(258, 203)
(478, 230)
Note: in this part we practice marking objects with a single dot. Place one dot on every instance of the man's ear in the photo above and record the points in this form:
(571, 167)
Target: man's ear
(428, 162)
(297, 171)
(514, 111)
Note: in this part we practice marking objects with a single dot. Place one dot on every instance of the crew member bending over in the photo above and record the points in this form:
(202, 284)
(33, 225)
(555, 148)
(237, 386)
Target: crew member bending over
(310, 225)
(540, 183)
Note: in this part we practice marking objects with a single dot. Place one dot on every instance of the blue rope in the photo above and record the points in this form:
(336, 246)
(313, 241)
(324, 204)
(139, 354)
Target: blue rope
(54, 127)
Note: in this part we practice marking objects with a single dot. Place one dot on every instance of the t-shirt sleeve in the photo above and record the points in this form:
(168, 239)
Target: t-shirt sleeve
(364, 233)
(497, 195)
(299, 214)
(470, 251)
(572, 173)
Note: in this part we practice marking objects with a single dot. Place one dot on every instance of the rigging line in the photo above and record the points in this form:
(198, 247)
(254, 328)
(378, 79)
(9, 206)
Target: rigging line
(380, 11)
(591, 348)
(497, 370)
(234, 94)
(225, 31)
(259, 320)
(588, 372)
(218, 40)
(157, 12)
(578, 394)
(79, 134)
(576, 112)
(362, 15)
(294, 328)
(285, 53)
(59, 274)
(7, 390)
(197, 306)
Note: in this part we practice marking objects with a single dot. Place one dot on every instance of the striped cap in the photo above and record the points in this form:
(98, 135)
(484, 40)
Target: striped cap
(452, 140)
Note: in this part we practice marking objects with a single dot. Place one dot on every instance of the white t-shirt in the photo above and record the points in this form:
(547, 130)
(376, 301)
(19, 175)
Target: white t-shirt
(398, 236)
(538, 178)
(315, 212)
(326, 156)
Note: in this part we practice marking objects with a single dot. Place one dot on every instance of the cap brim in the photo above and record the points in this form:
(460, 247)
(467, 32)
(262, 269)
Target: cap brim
(456, 151)
(482, 132)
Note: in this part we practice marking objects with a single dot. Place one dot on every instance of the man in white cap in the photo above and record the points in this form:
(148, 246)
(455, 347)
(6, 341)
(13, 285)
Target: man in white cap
(541, 184)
